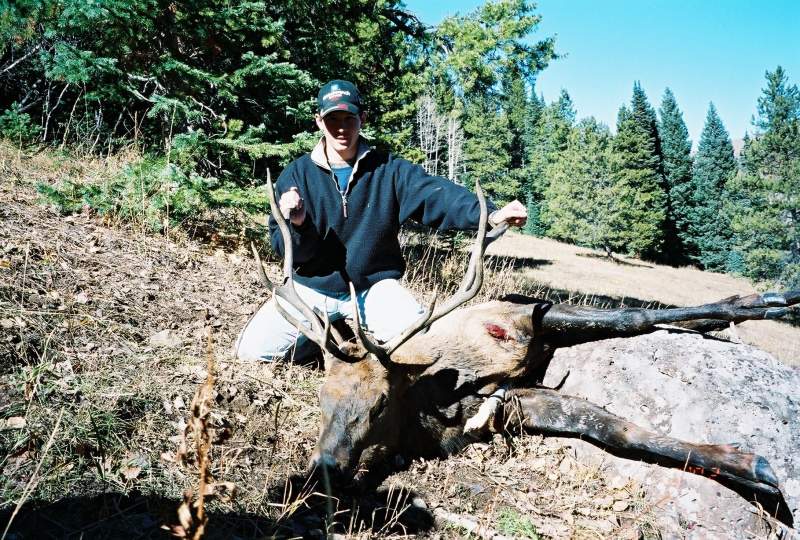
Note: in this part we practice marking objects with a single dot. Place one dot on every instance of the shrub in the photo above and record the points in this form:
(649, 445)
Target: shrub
(153, 192)
(18, 127)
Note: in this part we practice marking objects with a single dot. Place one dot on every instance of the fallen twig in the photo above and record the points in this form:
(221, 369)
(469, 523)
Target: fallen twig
(468, 524)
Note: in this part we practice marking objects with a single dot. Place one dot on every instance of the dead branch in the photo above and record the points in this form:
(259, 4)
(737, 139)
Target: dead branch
(20, 59)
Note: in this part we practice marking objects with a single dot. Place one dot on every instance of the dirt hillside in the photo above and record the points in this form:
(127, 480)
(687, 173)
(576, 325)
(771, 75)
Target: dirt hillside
(102, 347)
(101, 351)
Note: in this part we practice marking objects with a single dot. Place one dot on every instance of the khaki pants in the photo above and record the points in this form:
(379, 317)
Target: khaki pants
(385, 309)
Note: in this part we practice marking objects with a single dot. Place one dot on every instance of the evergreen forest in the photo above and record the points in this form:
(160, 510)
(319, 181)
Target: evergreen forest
(210, 94)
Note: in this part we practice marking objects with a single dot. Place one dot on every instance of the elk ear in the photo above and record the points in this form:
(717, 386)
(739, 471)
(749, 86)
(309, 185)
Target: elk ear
(528, 318)
(407, 357)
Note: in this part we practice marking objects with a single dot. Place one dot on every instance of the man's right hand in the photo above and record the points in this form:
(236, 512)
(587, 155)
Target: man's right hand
(292, 207)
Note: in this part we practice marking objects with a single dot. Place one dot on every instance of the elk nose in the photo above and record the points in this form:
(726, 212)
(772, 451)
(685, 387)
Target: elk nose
(325, 460)
(326, 464)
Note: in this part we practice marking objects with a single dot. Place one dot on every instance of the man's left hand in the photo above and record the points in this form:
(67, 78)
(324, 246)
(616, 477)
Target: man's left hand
(514, 213)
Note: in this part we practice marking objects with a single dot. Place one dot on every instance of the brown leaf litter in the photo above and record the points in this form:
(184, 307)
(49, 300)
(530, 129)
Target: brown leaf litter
(108, 320)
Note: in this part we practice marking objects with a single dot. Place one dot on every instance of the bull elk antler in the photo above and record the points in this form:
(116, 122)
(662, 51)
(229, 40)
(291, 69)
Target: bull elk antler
(467, 290)
(320, 328)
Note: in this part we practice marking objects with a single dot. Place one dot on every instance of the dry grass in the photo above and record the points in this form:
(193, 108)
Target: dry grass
(107, 324)
(530, 487)
(633, 282)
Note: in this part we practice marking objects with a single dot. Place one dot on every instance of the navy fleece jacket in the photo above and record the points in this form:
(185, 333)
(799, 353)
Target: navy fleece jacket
(354, 236)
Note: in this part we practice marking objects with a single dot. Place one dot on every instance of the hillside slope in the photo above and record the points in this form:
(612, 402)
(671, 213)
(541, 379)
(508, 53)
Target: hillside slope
(587, 273)
(101, 350)
(103, 329)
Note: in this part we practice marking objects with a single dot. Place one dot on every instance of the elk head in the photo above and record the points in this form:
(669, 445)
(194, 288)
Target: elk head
(362, 397)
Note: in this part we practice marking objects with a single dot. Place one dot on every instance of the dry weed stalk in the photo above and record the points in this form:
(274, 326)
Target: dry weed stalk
(292, 503)
(191, 513)
(35, 476)
(397, 503)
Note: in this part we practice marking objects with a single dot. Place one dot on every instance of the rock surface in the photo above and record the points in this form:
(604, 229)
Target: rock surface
(701, 390)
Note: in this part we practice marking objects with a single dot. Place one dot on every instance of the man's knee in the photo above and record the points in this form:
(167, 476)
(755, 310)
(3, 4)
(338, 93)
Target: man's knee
(266, 336)
(250, 347)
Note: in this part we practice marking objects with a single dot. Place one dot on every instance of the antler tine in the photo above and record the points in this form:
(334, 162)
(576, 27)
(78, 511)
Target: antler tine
(363, 338)
(271, 287)
(336, 336)
(261, 273)
(319, 332)
(479, 247)
(473, 279)
(494, 234)
(491, 236)
(470, 284)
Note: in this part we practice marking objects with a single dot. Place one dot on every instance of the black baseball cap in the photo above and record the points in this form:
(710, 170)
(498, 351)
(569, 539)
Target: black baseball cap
(338, 95)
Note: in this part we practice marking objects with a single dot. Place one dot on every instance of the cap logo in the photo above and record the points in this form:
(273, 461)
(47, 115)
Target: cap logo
(335, 93)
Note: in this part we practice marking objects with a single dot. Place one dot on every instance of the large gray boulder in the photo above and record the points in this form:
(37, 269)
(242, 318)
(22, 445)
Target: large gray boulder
(701, 390)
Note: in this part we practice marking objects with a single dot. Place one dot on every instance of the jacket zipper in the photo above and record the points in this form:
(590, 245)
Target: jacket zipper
(342, 193)
(349, 181)
(347, 188)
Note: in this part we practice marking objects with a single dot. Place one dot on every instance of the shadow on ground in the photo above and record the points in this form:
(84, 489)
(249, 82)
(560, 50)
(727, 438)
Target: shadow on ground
(615, 260)
(112, 516)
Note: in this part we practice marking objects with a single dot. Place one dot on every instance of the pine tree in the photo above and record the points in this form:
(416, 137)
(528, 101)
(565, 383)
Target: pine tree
(707, 232)
(645, 117)
(518, 112)
(676, 151)
(765, 198)
(578, 193)
(487, 150)
(220, 79)
(486, 61)
(530, 185)
(565, 108)
(637, 211)
(549, 137)
(475, 52)
(536, 107)
(534, 224)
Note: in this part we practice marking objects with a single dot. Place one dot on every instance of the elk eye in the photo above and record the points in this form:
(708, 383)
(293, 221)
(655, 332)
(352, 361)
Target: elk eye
(378, 408)
(497, 332)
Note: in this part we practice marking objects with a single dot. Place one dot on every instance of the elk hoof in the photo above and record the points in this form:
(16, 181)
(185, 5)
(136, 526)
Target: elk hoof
(764, 473)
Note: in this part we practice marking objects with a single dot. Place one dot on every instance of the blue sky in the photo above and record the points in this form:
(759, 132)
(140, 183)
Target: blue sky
(705, 50)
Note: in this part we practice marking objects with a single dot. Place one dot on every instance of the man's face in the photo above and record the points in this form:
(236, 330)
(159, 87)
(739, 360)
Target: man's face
(341, 130)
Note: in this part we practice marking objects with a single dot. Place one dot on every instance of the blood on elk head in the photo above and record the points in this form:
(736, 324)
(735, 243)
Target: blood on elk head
(362, 396)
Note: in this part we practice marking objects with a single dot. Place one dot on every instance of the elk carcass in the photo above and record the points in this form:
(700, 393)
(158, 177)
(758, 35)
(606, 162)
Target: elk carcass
(414, 395)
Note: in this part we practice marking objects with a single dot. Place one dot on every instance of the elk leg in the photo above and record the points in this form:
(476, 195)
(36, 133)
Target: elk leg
(570, 325)
(546, 411)
(486, 418)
